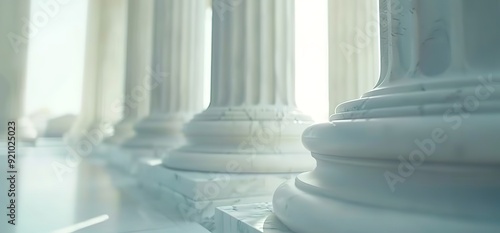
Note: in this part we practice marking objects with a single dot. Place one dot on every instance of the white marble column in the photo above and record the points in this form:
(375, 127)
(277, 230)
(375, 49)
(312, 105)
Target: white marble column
(104, 71)
(177, 74)
(14, 38)
(353, 49)
(252, 123)
(419, 153)
(138, 69)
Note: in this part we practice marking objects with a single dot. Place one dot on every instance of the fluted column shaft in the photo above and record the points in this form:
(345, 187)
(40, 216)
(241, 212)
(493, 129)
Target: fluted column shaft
(138, 68)
(354, 57)
(253, 56)
(252, 97)
(14, 34)
(104, 73)
(177, 86)
(419, 153)
(443, 43)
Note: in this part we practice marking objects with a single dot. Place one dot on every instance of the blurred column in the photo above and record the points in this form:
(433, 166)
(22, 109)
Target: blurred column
(138, 69)
(419, 153)
(353, 49)
(14, 37)
(176, 77)
(252, 120)
(104, 71)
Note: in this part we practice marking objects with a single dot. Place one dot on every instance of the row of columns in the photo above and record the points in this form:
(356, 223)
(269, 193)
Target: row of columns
(404, 154)
(416, 154)
(252, 124)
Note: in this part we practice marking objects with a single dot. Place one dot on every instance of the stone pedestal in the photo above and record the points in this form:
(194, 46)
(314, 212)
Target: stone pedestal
(419, 153)
(104, 72)
(250, 218)
(14, 18)
(195, 195)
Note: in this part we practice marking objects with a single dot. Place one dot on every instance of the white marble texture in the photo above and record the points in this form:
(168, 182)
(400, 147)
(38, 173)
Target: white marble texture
(87, 191)
(197, 194)
(249, 218)
(419, 153)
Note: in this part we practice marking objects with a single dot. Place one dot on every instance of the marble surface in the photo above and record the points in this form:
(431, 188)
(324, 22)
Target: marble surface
(250, 218)
(196, 195)
(206, 185)
(86, 196)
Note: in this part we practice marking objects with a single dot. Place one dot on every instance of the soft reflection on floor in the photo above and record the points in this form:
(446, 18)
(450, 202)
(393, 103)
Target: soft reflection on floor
(85, 197)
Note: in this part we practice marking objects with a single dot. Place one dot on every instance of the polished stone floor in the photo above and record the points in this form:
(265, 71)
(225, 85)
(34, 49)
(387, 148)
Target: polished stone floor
(86, 196)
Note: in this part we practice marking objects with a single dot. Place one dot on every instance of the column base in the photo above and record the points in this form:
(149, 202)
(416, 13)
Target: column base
(251, 218)
(307, 212)
(158, 132)
(245, 146)
(196, 194)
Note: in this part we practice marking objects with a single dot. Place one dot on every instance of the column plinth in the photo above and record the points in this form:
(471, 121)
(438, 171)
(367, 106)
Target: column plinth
(252, 122)
(419, 152)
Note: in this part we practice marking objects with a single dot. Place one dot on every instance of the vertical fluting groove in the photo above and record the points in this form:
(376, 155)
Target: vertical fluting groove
(290, 53)
(263, 48)
(138, 53)
(174, 63)
(251, 69)
(216, 71)
(253, 55)
(182, 32)
(156, 94)
(225, 80)
(179, 31)
(191, 74)
(235, 57)
(279, 41)
(198, 56)
(185, 49)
